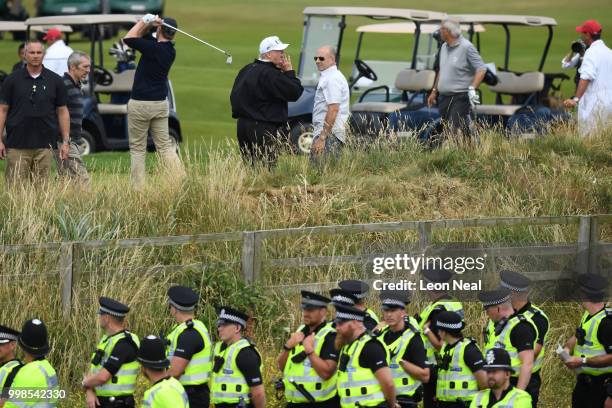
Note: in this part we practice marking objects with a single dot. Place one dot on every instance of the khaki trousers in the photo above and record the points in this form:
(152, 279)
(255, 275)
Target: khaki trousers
(153, 115)
(27, 165)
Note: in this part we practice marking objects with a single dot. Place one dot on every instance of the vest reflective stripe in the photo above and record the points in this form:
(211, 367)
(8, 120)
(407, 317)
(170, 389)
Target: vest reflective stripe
(228, 385)
(503, 341)
(457, 381)
(6, 369)
(592, 347)
(539, 359)
(200, 366)
(405, 385)
(166, 393)
(125, 378)
(449, 305)
(514, 399)
(303, 373)
(37, 374)
(356, 383)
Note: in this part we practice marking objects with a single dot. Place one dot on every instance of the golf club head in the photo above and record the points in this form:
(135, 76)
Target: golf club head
(229, 60)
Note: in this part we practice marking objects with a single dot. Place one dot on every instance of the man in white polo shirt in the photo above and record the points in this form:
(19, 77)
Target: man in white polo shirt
(331, 105)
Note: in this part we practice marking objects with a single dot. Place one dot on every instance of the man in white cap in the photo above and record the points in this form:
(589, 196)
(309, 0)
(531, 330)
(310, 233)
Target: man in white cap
(259, 100)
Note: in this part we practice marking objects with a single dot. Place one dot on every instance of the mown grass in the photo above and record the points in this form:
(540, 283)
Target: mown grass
(555, 175)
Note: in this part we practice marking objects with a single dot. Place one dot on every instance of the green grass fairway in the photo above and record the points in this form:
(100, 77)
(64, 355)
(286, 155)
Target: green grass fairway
(202, 81)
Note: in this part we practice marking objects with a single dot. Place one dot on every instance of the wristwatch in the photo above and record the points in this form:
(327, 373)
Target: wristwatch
(584, 361)
(576, 99)
(427, 330)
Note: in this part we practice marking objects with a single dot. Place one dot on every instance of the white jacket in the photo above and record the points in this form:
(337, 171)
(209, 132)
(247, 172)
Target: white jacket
(56, 57)
(595, 106)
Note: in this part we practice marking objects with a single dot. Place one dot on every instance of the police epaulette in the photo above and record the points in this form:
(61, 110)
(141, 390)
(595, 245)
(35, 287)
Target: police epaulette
(411, 327)
(417, 318)
(521, 317)
(189, 324)
(608, 311)
(471, 340)
(251, 342)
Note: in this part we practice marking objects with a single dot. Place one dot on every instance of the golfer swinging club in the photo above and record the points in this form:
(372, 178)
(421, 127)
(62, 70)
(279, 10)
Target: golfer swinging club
(148, 105)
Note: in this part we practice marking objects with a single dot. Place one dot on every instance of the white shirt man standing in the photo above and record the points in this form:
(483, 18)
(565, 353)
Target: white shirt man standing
(331, 105)
(56, 57)
(594, 93)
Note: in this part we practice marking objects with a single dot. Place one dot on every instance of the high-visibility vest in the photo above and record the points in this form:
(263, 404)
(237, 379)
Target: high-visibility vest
(200, 366)
(358, 384)
(456, 382)
(228, 385)
(405, 385)
(502, 340)
(5, 371)
(304, 374)
(169, 392)
(373, 315)
(514, 399)
(36, 375)
(124, 381)
(446, 304)
(529, 314)
(591, 346)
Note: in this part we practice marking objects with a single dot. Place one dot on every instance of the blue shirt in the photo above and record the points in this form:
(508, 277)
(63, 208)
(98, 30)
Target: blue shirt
(151, 78)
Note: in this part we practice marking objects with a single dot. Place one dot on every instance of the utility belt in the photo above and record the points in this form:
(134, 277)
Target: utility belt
(126, 401)
(454, 404)
(412, 401)
(196, 389)
(262, 122)
(596, 380)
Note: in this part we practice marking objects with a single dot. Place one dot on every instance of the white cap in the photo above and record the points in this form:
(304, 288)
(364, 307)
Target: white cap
(272, 43)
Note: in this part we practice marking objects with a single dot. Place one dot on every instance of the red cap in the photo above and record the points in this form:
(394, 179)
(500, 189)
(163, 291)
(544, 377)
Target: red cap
(52, 34)
(589, 27)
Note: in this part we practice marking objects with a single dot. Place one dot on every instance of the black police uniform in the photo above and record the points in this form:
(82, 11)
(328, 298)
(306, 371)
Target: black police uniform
(590, 390)
(125, 351)
(359, 290)
(259, 101)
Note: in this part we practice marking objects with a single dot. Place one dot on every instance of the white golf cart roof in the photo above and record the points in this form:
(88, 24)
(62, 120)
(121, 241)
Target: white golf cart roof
(409, 28)
(508, 19)
(84, 19)
(21, 26)
(377, 13)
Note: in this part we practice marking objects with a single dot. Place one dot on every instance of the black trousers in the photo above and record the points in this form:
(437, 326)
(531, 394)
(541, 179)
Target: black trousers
(429, 389)
(198, 395)
(117, 402)
(456, 113)
(457, 404)
(258, 141)
(533, 387)
(590, 391)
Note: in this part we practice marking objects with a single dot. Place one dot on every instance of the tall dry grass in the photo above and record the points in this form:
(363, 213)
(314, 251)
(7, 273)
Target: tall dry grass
(555, 175)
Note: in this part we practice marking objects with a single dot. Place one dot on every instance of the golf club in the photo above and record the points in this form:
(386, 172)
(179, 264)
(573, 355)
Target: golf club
(229, 57)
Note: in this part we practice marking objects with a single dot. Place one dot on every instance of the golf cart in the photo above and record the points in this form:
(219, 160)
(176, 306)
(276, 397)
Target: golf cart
(530, 109)
(108, 91)
(326, 26)
(64, 7)
(137, 6)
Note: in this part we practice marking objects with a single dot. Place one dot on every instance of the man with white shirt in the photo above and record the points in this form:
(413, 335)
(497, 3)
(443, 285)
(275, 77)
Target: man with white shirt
(594, 93)
(56, 57)
(331, 105)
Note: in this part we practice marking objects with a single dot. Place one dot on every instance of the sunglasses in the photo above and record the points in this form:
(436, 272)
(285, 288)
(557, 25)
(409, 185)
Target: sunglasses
(319, 59)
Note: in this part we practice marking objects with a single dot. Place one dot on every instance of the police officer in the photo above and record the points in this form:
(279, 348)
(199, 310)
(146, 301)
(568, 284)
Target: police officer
(364, 378)
(519, 286)
(36, 373)
(403, 340)
(460, 373)
(9, 364)
(514, 333)
(440, 301)
(591, 347)
(236, 378)
(359, 289)
(166, 391)
(309, 360)
(501, 392)
(189, 347)
(113, 371)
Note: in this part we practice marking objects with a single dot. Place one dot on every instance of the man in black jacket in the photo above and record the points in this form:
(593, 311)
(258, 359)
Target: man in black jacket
(259, 100)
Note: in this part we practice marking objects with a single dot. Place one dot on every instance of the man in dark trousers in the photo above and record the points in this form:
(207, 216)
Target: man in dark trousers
(259, 100)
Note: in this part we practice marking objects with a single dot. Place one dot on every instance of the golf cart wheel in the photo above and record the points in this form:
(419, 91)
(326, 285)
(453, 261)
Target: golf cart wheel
(88, 143)
(301, 138)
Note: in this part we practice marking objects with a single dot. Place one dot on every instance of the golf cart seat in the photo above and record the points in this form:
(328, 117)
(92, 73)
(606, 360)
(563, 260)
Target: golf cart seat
(407, 80)
(511, 83)
(112, 109)
(122, 82)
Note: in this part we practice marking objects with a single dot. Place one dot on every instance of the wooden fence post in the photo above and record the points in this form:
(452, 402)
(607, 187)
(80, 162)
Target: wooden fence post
(424, 234)
(248, 255)
(65, 264)
(594, 248)
(584, 238)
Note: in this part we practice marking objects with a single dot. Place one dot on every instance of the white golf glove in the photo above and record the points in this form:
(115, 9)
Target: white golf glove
(473, 96)
(148, 18)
